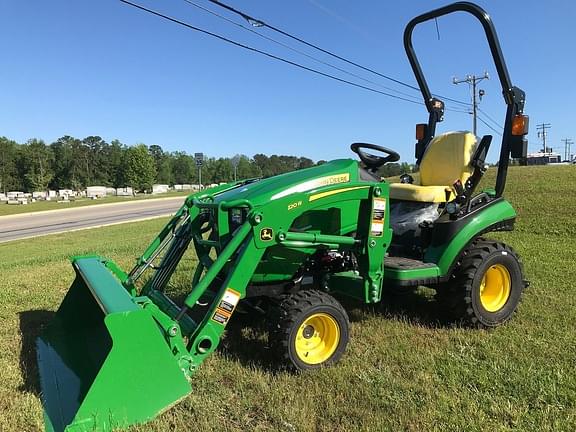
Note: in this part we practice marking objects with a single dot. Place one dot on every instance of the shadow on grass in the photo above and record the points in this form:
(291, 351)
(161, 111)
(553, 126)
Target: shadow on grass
(414, 307)
(246, 335)
(246, 341)
(408, 305)
(32, 323)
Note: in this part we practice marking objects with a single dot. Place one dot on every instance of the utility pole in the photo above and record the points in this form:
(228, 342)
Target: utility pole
(472, 81)
(543, 134)
(567, 144)
(235, 161)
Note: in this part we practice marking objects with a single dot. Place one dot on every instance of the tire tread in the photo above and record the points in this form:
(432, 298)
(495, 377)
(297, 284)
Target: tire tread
(286, 315)
(456, 295)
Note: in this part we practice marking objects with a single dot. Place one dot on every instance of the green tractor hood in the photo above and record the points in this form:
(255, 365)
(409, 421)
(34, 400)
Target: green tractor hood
(265, 190)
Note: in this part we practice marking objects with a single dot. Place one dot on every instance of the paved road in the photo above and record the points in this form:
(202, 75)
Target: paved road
(26, 225)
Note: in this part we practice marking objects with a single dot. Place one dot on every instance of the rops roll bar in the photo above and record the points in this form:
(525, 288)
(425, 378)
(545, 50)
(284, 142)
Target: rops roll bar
(512, 145)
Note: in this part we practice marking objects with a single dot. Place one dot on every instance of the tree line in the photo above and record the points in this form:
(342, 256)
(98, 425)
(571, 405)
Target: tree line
(73, 163)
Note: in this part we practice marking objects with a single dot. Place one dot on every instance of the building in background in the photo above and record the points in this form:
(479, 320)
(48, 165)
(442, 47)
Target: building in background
(160, 188)
(542, 158)
(125, 191)
(96, 191)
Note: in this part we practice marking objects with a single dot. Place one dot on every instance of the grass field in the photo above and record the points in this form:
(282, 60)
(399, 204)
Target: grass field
(6, 209)
(404, 369)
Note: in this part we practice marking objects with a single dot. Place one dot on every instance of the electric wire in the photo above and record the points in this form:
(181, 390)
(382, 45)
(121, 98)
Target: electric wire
(490, 118)
(332, 13)
(196, 5)
(265, 53)
(488, 125)
(458, 110)
(260, 23)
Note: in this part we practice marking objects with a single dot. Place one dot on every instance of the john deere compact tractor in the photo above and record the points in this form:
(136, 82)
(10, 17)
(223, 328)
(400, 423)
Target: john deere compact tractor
(120, 350)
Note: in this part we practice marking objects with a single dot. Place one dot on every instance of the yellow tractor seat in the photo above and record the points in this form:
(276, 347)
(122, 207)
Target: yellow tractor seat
(446, 160)
(412, 192)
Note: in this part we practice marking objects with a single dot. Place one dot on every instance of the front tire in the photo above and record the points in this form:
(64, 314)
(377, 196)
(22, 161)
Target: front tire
(310, 329)
(486, 285)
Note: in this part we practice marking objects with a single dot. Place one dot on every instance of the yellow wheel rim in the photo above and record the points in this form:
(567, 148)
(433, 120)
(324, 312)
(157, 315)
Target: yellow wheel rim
(495, 288)
(317, 338)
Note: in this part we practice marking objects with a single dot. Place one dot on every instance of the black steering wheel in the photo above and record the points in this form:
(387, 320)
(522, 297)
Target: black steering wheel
(373, 162)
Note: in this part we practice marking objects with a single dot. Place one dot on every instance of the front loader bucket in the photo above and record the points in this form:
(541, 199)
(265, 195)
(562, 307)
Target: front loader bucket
(104, 361)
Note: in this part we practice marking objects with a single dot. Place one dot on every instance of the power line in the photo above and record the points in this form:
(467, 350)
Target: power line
(458, 110)
(490, 118)
(267, 54)
(488, 125)
(340, 18)
(191, 3)
(260, 23)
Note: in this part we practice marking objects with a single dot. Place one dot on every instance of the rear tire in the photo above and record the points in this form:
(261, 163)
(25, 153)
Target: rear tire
(486, 286)
(309, 329)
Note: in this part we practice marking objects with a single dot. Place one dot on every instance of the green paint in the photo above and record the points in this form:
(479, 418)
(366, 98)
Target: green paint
(410, 274)
(117, 354)
(445, 255)
(350, 284)
(96, 356)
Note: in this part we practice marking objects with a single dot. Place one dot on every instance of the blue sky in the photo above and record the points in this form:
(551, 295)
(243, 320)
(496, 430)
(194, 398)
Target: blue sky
(100, 67)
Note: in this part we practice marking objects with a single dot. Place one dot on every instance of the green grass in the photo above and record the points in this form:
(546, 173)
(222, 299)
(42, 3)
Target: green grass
(403, 371)
(6, 209)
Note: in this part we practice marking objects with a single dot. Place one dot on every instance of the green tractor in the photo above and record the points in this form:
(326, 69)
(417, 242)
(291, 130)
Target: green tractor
(120, 350)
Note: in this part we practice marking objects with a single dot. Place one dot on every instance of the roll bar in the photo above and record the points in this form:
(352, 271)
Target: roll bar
(515, 146)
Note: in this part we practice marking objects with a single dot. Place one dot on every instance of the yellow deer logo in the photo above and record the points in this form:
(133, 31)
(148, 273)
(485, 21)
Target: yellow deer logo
(266, 234)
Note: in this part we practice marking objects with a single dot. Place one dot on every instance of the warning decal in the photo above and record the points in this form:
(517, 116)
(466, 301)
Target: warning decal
(220, 318)
(378, 215)
(231, 297)
(226, 306)
(380, 204)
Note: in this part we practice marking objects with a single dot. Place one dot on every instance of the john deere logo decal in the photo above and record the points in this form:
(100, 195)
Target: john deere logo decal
(313, 184)
(266, 234)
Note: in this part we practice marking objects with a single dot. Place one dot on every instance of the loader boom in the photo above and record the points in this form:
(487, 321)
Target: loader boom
(231, 233)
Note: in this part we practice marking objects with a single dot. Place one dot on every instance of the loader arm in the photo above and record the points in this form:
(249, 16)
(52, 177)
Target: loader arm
(231, 233)
(205, 222)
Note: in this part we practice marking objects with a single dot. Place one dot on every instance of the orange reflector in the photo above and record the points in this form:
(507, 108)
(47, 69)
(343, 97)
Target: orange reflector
(520, 125)
(421, 131)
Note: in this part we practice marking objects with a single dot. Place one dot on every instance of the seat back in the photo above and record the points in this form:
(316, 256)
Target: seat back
(447, 159)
